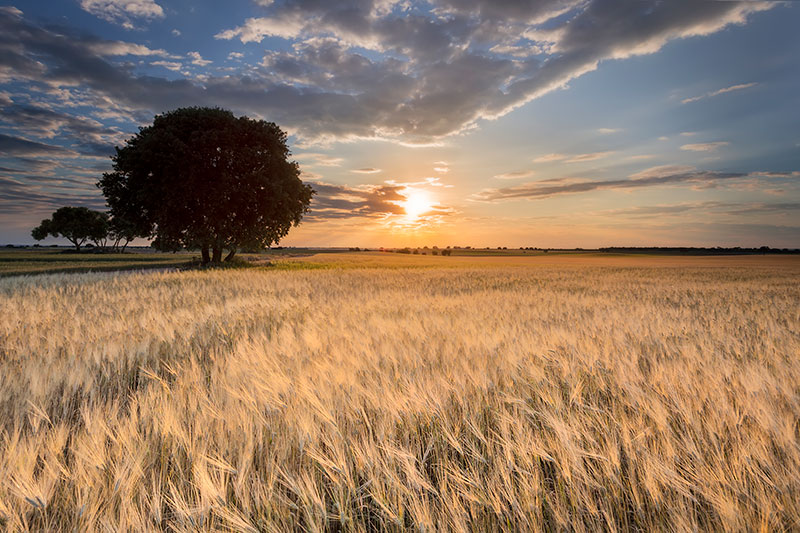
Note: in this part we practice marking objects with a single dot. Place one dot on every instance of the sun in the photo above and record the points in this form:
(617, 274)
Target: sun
(417, 202)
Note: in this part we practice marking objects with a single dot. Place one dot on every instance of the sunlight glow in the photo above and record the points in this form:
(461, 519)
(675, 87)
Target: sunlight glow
(417, 203)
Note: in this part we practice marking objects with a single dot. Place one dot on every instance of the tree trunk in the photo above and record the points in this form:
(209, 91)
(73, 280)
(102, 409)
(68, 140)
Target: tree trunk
(230, 254)
(204, 254)
(216, 256)
(77, 245)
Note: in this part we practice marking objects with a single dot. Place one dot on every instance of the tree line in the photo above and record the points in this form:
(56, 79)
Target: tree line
(80, 225)
(198, 178)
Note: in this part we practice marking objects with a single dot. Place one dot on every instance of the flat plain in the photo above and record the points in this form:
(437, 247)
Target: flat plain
(365, 392)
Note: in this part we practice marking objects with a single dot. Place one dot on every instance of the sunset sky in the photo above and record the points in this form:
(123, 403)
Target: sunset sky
(556, 123)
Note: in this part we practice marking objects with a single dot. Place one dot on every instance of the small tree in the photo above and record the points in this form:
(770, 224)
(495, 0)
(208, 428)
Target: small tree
(121, 231)
(76, 224)
(100, 228)
(203, 178)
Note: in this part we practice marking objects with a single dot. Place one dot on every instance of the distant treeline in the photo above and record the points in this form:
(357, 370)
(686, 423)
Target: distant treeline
(668, 250)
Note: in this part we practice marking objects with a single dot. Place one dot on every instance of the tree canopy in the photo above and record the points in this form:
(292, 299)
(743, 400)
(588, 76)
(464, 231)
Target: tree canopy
(76, 224)
(202, 178)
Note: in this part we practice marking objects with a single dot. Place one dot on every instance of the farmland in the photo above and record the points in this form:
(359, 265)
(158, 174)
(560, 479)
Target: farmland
(364, 392)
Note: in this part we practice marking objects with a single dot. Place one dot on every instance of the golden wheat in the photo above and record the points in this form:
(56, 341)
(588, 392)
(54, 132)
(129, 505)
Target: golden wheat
(477, 398)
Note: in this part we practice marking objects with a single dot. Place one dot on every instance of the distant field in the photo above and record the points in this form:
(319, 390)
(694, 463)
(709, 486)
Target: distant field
(14, 262)
(376, 391)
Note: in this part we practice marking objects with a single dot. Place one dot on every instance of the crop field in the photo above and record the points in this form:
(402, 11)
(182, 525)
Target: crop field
(354, 392)
(31, 261)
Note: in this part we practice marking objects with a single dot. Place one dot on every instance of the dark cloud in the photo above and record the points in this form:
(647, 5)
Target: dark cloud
(27, 164)
(341, 201)
(41, 195)
(17, 146)
(90, 136)
(456, 56)
(439, 69)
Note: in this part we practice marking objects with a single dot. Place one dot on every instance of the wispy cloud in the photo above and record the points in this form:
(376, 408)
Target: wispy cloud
(718, 92)
(122, 48)
(704, 147)
(729, 208)
(442, 167)
(661, 175)
(368, 170)
(608, 131)
(594, 156)
(572, 158)
(17, 146)
(514, 175)
(169, 65)
(317, 159)
(547, 158)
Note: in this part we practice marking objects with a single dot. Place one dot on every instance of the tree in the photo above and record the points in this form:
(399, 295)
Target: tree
(100, 229)
(122, 232)
(76, 224)
(202, 178)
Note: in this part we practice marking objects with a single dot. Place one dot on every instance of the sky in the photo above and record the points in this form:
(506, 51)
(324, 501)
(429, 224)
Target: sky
(545, 123)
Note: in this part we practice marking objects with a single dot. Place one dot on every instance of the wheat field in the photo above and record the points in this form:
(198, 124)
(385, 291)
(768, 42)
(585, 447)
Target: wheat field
(472, 396)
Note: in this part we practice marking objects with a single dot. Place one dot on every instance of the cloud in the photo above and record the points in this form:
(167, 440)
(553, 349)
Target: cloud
(369, 69)
(23, 199)
(608, 131)
(176, 32)
(547, 158)
(317, 159)
(655, 176)
(122, 48)
(169, 65)
(438, 76)
(256, 28)
(514, 175)
(123, 11)
(379, 202)
(720, 91)
(197, 59)
(17, 146)
(727, 208)
(582, 158)
(369, 170)
(341, 201)
(441, 167)
(704, 147)
(87, 135)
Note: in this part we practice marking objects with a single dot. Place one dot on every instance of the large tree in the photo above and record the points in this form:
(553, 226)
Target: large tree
(76, 224)
(202, 178)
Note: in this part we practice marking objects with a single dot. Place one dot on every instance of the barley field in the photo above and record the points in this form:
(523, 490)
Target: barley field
(519, 394)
